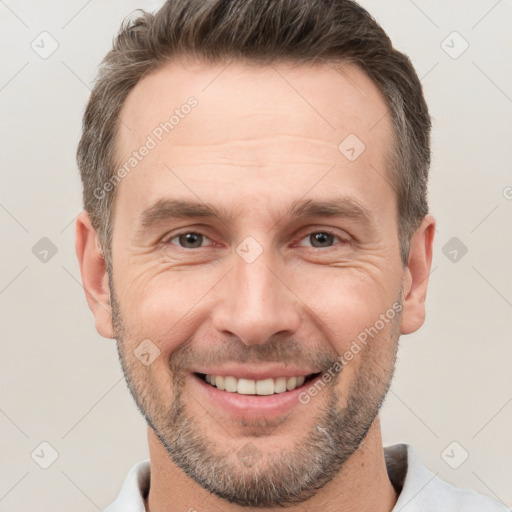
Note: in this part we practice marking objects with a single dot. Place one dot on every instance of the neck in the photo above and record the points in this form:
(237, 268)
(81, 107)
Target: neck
(362, 484)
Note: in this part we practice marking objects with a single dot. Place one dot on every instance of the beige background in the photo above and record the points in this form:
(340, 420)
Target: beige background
(61, 383)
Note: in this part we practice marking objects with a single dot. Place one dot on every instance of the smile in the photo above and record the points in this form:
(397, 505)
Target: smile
(263, 387)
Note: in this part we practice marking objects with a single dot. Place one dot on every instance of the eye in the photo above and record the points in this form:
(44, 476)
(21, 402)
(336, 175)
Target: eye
(320, 239)
(188, 240)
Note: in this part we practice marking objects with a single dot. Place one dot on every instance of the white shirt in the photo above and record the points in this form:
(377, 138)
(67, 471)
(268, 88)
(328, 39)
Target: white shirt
(419, 489)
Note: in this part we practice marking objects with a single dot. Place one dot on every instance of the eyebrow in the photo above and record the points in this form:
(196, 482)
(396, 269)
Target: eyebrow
(338, 207)
(168, 209)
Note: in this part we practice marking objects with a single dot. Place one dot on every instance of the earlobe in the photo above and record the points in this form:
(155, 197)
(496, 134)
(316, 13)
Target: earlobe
(94, 274)
(417, 275)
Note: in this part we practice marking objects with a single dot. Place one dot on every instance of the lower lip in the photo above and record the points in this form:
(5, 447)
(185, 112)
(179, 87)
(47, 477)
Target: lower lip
(252, 406)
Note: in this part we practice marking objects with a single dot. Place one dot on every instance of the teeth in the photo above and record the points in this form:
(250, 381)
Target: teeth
(219, 381)
(255, 387)
(280, 385)
(291, 383)
(230, 384)
(246, 387)
(265, 387)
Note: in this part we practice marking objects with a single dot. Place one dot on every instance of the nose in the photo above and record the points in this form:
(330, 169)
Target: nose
(256, 303)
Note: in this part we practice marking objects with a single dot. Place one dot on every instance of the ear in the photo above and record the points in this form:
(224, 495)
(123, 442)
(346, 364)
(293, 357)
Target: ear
(416, 276)
(94, 274)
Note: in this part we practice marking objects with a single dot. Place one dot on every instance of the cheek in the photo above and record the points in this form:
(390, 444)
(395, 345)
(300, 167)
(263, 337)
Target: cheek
(169, 306)
(369, 358)
(346, 302)
(165, 305)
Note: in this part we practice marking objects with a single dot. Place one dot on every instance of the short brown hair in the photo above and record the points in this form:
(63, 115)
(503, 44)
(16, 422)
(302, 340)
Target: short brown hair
(266, 31)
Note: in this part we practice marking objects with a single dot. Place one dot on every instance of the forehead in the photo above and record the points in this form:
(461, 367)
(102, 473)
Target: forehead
(332, 97)
(251, 127)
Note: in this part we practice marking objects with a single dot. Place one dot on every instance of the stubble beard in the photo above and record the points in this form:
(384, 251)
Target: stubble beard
(250, 476)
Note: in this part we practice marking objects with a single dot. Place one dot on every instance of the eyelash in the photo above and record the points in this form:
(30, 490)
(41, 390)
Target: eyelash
(324, 231)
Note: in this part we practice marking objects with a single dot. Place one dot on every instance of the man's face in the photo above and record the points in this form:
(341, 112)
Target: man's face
(287, 255)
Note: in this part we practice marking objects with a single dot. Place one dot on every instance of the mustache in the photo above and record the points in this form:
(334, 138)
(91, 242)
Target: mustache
(286, 352)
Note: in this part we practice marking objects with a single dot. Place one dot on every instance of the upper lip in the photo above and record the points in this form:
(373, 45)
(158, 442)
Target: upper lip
(254, 373)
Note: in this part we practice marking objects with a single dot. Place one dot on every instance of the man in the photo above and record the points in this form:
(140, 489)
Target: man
(256, 237)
